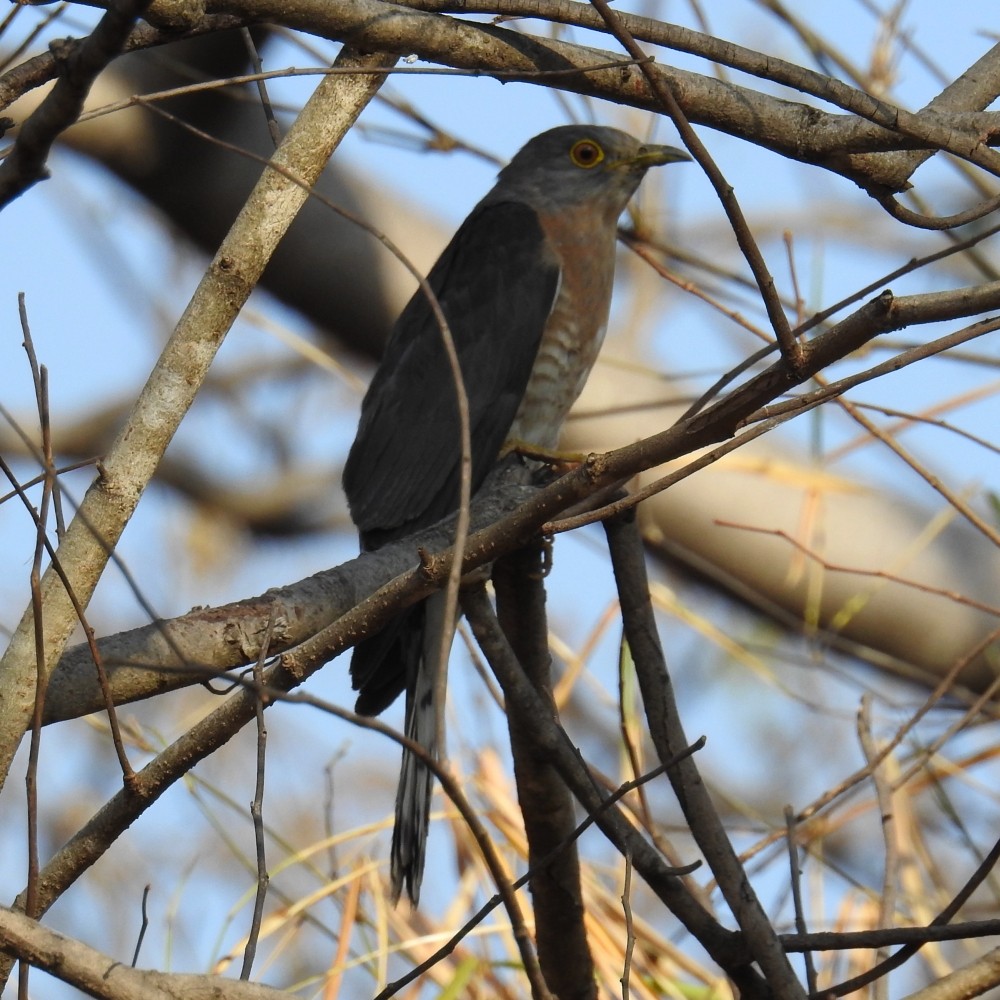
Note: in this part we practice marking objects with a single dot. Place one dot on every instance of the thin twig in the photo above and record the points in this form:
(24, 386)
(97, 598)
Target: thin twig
(879, 938)
(927, 417)
(912, 265)
(265, 101)
(143, 926)
(971, 515)
(627, 723)
(629, 928)
(890, 863)
(877, 574)
(40, 377)
(292, 72)
(908, 951)
(938, 222)
(41, 676)
(60, 470)
(795, 873)
(91, 644)
(257, 806)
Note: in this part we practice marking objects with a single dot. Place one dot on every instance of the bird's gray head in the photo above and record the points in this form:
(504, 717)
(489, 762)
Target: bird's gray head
(578, 164)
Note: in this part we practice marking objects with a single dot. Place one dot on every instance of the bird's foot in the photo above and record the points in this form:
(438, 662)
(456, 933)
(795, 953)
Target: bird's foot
(560, 461)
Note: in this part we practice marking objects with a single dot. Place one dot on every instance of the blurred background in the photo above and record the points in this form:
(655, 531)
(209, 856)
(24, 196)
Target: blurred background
(774, 650)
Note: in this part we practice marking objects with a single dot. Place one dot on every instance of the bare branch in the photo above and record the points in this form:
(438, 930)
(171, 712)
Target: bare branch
(25, 164)
(105, 977)
(971, 980)
(668, 737)
(833, 141)
(175, 381)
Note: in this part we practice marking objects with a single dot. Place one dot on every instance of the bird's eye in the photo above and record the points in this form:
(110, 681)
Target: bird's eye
(586, 153)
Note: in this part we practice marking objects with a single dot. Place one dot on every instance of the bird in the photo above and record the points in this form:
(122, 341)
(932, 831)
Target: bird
(525, 285)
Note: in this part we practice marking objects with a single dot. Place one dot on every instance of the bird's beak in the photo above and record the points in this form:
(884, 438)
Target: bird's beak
(655, 156)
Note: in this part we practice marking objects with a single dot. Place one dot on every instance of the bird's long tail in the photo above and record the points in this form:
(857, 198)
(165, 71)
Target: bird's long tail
(413, 797)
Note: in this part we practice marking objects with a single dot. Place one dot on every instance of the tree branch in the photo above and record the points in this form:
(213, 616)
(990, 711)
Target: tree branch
(174, 383)
(552, 742)
(971, 980)
(76, 70)
(545, 801)
(100, 975)
(144, 662)
(667, 733)
(797, 131)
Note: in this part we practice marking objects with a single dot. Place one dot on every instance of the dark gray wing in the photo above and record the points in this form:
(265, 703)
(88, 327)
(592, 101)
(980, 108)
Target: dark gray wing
(496, 282)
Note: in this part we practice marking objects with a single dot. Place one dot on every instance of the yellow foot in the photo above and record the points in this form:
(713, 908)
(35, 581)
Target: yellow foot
(563, 461)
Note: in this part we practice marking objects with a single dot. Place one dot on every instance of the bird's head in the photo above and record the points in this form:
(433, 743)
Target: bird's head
(580, 164)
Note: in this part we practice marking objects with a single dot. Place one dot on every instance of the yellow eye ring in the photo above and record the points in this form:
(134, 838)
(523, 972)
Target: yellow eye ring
(586, 153)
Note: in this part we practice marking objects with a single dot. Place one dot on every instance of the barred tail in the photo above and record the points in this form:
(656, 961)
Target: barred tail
(413, 797)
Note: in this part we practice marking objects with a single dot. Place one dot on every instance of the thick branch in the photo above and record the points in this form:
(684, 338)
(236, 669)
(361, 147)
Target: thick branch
(667, 733)
(794, 130)
(545, 801)
(975, 90)
(172, 386)
(552, 742)
(222, 638)
(166, 655)
(100, 975)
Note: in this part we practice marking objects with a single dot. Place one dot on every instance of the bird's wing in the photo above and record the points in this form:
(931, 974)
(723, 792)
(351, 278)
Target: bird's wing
(496, 283)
